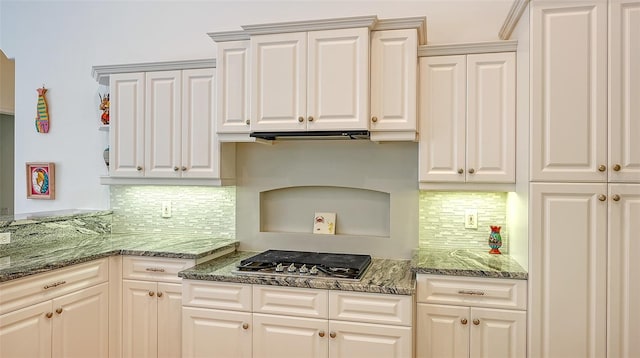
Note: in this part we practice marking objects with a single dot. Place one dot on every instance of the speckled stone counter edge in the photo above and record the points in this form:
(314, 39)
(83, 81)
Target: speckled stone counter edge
(467, 263)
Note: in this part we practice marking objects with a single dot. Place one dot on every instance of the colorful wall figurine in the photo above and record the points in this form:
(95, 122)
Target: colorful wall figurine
(42, 118)
(40, 180)
(104, 106)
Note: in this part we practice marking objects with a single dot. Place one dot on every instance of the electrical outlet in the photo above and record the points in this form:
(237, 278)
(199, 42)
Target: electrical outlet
(5, 237)
(471, 219)
(166, 209)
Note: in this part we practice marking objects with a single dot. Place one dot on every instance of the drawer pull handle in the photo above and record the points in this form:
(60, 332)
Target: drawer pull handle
(46, 287)
(471, 293)
(153, 269)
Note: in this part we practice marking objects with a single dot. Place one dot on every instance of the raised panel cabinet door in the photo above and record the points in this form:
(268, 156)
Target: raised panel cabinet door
(126, 133)
(442, 331)
(169, 296)
(279, 82)
(624, 90)
(623, 311)
(200, 153)
(443, 101)
(216, 333)
(293, 337)
(569, 91)
(27, 332)
(338, 80)
(163, 124)
(139, 319)
(497, 333)
(233, 87)
(491, 118)
(394, 66)
(81, 323)
(351, 339)
(568, 270)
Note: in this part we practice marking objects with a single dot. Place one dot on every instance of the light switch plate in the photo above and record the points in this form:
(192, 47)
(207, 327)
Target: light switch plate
(5, 237)
(471, 219)
(166, 209)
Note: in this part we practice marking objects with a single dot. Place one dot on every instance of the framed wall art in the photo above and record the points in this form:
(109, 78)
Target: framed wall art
(40, 181)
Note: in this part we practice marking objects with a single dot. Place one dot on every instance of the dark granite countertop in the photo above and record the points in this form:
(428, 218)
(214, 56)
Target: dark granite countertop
(383, 276)
(464, 262)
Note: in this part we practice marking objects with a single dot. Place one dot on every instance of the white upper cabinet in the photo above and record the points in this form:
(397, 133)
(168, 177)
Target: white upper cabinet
(126, 138)
(234, 88)
(394, 66)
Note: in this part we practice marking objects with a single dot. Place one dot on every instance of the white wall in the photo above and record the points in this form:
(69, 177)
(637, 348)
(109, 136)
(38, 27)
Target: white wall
(56, 43)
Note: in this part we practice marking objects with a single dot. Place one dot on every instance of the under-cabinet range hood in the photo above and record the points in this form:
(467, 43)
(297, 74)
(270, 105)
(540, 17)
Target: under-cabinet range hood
(344, 135)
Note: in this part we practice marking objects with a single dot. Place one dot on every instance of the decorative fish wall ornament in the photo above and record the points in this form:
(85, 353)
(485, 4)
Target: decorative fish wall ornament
(42, 117)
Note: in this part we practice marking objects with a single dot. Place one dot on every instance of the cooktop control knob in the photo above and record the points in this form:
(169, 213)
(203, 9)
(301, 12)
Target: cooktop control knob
(304, 269)
(279, 268)
(291, 268)
(314, 270)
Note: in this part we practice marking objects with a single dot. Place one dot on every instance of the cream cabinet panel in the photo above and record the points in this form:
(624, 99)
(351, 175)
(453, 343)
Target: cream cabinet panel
(139, 319)
(338, 79)
(290, 301)
(624, 90)
(233, 87)
(624, 267)
(569, 91)
(27, 332)
(282, 336)
(568, 270)
(154, 268)
(279, 82)
(370, 307)
(497, 333)
(169, 296)
(442, 331)
(443, 100)
(126, 134)
(350, 339)
(216, 333)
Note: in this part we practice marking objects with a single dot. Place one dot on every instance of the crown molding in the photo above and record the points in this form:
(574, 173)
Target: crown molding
(510, 23)
(418, 23)
(311, 25)
(468, 48)
(224, 36)
(101, 73)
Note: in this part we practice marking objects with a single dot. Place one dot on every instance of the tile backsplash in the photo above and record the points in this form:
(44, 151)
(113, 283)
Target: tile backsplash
(441, 219)
(194, 210)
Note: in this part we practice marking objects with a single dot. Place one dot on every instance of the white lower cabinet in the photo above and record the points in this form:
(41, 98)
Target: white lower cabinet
(215, 333)
(276, 336)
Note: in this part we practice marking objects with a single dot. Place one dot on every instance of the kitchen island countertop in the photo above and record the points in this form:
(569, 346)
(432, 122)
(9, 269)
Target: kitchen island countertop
(465, 262)
(383, 276)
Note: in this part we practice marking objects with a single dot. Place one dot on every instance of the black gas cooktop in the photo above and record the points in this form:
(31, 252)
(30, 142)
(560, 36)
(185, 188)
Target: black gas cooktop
(306, 264)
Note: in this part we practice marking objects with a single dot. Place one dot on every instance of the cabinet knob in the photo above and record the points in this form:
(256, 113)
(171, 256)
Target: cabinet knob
(321, 334)
(617, 167)
(310, 118)
(374, 119)
(139, 168)
(602, 197)
(300, 119)
(463, 321)
(247, 122)
(159, 294)
(615, 197)
(184, 169)
(59, 310)
(602, 168)
(471, 171)
(49, 314)
(175, 169)
(151, 293)
(245, 326)
(476, 321)
(332, 334)
(460, 171)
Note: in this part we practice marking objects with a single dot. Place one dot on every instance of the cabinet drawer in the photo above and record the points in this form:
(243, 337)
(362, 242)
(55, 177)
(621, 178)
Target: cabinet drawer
(471, 291)
(154, 268)
(30, 290)
(290, 301)
(219, 295)
(370, 307)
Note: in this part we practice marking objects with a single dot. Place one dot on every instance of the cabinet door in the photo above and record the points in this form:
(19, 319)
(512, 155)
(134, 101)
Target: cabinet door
(498, 333)
(139, 319)
(394, 66)
(169, 296)
(624, 271)
(568, 270)
(442, 331)
(126, 134)
(624, 90)
(81, 323)
(233, 87)
(27, 332)
(491, 118)
(350, 339)
(569, 91)
(200, 325)
(282, 336)
(200, 157)
(279, 82)
(443, 98)
(338, 80)
(163, 124)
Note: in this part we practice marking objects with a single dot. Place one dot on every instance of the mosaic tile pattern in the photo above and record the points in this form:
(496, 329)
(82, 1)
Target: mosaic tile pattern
(195, 210)
(441, 219)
